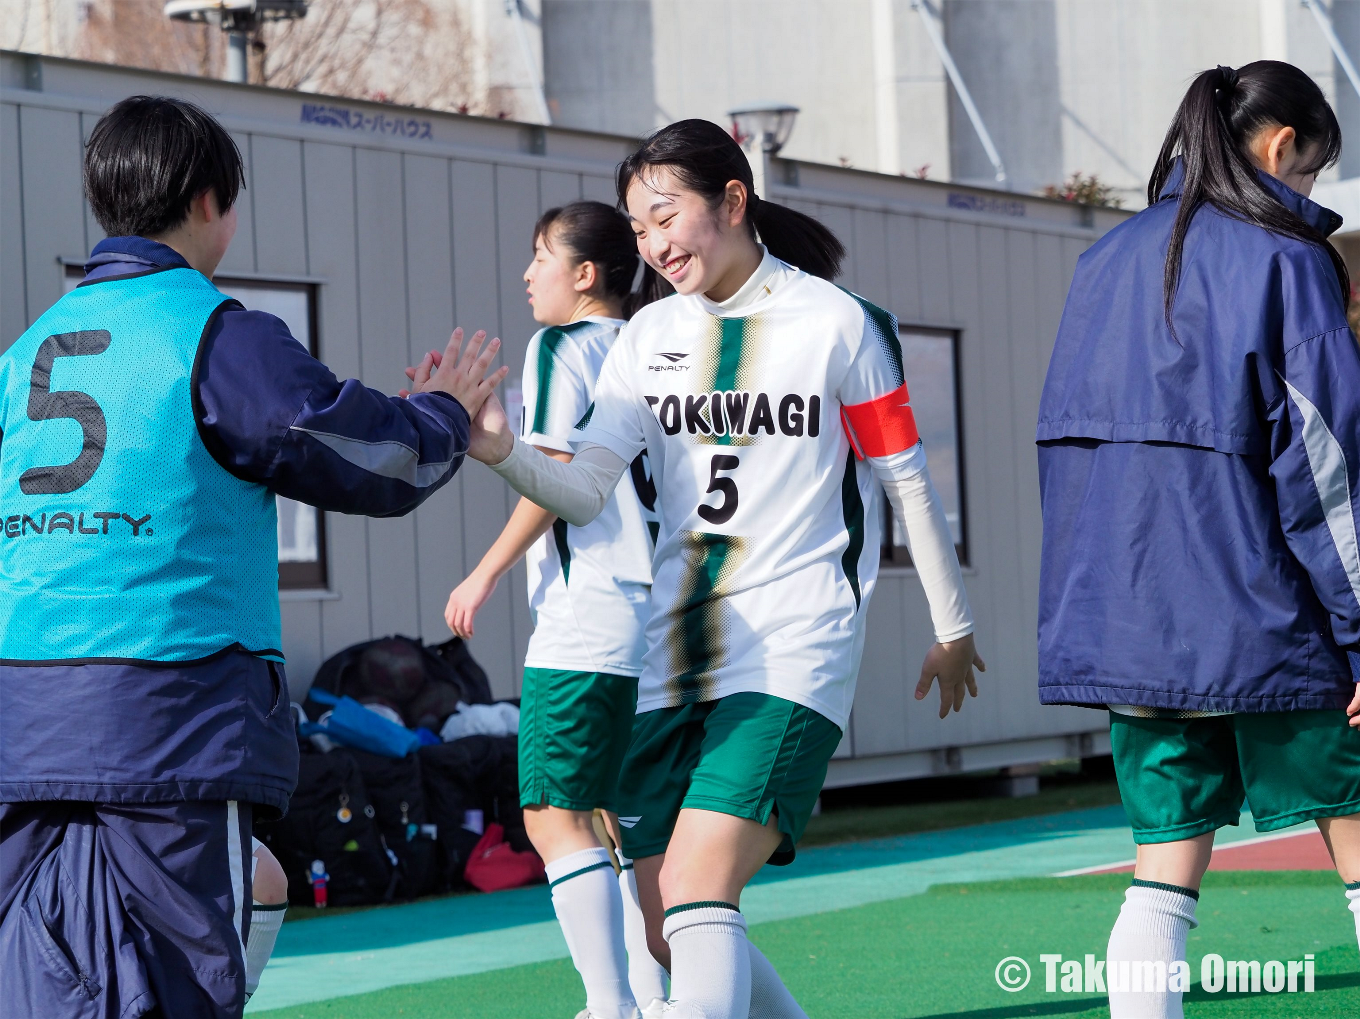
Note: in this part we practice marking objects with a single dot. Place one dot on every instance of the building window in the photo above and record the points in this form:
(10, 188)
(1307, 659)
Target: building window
(302, 529)
(930, 363)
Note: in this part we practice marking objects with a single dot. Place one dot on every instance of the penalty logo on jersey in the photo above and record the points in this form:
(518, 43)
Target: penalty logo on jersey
(730, 409)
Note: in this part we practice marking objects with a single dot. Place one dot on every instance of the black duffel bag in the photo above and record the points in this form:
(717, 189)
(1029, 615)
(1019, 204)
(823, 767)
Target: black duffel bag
(422, 684)
(398, 796)
(471, 780)
(331, 819)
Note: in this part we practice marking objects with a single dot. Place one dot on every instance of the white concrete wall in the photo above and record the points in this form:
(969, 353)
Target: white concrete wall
(597, 57)
(1063, 85)
(509, 76)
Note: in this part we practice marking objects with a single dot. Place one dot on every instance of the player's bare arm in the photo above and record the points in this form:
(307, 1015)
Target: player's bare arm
(527, 524)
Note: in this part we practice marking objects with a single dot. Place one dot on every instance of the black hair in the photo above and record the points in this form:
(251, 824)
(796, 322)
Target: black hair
(149, 157)
(1222, 111)
(704, 159)
(599, 233)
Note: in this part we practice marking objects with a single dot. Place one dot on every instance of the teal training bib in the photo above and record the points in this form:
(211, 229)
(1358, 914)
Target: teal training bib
(122, 537)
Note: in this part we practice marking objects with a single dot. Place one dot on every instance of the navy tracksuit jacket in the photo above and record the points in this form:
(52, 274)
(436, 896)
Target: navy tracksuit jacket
(1201, 492)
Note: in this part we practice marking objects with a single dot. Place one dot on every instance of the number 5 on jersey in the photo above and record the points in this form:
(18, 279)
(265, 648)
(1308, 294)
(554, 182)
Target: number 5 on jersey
(721, 513)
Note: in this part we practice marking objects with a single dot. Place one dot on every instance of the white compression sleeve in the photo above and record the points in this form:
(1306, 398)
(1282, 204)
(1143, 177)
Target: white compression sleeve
(575, 491)
(916, 503)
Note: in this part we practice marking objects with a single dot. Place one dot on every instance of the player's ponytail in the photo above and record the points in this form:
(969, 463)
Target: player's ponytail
(1221, 113)
(705, 158)
(598, 233)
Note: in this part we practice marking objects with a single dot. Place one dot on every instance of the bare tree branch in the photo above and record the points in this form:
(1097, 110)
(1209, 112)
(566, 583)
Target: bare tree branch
(410, 52)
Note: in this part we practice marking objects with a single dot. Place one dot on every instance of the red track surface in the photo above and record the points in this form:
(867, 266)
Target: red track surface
(1305, 851)
(1299, 852)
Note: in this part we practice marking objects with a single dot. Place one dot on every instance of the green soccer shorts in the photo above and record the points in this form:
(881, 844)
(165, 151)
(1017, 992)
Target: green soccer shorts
(573, 732)
(1183, 777)
(747, 754)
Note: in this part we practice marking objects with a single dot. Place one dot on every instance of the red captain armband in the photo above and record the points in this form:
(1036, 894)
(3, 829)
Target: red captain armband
(881, 427)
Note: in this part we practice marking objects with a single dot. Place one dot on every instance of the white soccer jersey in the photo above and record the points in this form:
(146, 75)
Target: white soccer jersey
(769, 522)
(588, 586)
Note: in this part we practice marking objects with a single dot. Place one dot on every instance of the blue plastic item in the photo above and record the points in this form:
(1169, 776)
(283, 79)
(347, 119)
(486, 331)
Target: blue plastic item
(352, 724)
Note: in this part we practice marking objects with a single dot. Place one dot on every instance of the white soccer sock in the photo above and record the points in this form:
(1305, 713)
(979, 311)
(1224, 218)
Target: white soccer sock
(645, 975)
(1353, 899)
(770, 999)
(710, 961)
(265, 921)
(1151, 928)
(585, 897)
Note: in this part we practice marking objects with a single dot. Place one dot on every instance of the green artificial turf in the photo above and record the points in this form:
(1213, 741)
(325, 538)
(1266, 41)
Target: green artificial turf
(934, 955)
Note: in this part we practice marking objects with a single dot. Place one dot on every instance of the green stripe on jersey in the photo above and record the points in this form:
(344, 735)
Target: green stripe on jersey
(883, 326)
(852, 506)
(563, 549)
(730, 336)
(548, 345)
(727, 356)
(700, 620)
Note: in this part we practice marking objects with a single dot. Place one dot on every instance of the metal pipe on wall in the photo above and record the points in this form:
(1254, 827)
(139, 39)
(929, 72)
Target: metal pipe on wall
(238, 63)
(1324, 20)
(512, 9)
(965, 97)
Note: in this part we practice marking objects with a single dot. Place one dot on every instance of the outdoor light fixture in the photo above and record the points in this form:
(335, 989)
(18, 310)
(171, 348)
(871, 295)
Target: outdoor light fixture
(238, 18)
(771, 125)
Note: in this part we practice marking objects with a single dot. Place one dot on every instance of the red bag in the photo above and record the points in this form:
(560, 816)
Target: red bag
(494, 865)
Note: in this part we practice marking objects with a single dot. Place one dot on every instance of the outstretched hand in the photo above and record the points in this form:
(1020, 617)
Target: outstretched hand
(465, 601)
(952, 664)
(460, 372)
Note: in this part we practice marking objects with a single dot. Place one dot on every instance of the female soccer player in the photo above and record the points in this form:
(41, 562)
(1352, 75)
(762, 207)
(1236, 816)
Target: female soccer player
(589, 595)
(772, 406)
(1199, 455)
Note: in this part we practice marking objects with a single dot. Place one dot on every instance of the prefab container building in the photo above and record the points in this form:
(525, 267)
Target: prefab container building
(373, 229)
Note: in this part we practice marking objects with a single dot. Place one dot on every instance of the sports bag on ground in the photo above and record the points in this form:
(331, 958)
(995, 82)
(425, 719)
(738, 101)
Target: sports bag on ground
(331, 819)
(422, 684)
(398, 796)
(470, 784)
(494, 865)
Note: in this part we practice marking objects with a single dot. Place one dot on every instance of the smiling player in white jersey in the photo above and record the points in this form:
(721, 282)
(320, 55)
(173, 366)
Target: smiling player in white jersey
(589, 599)
(772, 406)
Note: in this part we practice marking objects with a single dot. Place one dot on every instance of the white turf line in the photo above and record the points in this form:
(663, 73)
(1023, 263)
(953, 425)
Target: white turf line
(1273, 836)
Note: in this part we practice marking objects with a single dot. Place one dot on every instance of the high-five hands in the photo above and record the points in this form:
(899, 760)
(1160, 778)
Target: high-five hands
(952, 664)
(460, 372)
(491, 437)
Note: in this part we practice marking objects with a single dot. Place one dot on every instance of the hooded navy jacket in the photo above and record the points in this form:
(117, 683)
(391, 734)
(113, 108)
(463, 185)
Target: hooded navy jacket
(222, 729)
(1201, 491)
